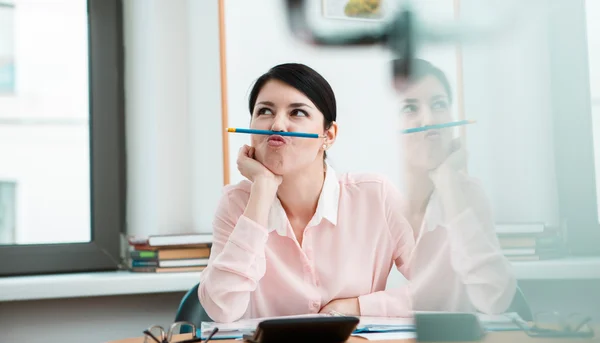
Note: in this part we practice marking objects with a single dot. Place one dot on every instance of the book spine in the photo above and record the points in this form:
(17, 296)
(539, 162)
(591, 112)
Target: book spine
(136, 263)
(143, 255)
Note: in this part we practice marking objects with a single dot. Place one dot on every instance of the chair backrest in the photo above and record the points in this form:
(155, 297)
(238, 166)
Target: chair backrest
(520, 306)
(190, 309)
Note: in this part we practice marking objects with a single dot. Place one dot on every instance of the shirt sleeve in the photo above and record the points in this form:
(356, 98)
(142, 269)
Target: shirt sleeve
(476, 256)
(395, 302)
(236, 263)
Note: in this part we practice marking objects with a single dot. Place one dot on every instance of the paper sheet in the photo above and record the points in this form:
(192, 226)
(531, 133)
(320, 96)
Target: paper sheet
(382, 336)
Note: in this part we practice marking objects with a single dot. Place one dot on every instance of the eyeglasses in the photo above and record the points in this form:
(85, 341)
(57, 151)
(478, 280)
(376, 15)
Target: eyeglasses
(156, 333)
(553, 324)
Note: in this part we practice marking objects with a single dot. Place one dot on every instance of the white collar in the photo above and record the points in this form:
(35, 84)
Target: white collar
(327, 206)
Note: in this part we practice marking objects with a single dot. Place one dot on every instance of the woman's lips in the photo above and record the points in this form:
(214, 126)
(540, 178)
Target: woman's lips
(276, 141)
(433, 135)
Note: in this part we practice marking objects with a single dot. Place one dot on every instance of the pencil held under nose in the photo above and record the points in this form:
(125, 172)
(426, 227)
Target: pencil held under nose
(438, 126)
(280, 133)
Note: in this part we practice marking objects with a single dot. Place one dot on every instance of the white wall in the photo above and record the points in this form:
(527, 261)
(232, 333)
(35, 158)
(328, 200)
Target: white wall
(173, 108)
(507, 91)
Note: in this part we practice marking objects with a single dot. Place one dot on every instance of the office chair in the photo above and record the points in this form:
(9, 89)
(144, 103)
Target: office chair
(519, 305)
(190, 310)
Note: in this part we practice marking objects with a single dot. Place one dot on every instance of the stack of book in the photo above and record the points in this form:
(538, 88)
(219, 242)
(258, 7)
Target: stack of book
(530, 242)
(169, 253)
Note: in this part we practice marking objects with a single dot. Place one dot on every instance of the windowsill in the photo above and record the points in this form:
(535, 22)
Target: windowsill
(124, 282)
(93, 284)
(570, 268)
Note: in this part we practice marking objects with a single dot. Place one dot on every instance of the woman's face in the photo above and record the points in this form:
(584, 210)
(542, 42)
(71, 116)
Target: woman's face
(281, 107)
(425, 103)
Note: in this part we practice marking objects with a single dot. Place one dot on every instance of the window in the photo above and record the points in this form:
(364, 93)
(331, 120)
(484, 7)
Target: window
(592, 9)
(6, 47)
(61, 135)
(571, 76)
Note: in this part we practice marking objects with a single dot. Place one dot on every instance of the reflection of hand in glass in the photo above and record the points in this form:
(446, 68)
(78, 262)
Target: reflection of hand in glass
(448, 178)
(455, 163)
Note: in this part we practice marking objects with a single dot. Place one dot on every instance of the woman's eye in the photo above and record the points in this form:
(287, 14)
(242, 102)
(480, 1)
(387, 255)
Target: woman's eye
(264, 110)
(299, 113)
(439, 105)
(410, 109)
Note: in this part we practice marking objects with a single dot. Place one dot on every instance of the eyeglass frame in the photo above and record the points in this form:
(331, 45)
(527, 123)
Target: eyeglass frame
(565, 331)
(168, 336)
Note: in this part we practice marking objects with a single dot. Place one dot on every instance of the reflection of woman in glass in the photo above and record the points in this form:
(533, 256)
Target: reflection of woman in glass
(457, 263)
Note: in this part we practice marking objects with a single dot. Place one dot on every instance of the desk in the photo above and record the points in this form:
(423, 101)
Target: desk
(493, 337)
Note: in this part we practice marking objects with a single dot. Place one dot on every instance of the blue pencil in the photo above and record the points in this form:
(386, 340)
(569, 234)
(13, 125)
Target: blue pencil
(438, 126)
(266, 132)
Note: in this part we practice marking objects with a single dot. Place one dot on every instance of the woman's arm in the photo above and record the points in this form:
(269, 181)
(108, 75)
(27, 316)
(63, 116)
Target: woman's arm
(395, 302)
(237, 258)
(475, 252)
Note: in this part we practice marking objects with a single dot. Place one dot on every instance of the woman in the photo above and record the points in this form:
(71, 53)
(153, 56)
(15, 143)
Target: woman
(294, 238)
(457, 263)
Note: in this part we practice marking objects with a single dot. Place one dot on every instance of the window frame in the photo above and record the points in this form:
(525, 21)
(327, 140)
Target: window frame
(107, 160)
(572, 120)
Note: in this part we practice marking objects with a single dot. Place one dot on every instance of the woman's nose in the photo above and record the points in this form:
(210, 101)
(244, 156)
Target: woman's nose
(279, 123)
(427, 116)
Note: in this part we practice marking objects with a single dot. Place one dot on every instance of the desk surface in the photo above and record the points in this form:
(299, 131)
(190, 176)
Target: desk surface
(493, 337)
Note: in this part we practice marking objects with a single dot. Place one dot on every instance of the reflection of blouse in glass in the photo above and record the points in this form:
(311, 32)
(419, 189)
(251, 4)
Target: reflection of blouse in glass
(457, 263)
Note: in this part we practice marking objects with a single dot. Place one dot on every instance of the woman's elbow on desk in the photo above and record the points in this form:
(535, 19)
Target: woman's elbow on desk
(499, 299)
(217, 308)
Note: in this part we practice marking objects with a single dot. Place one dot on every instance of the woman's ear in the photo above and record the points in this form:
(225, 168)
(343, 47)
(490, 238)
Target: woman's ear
(330, 135)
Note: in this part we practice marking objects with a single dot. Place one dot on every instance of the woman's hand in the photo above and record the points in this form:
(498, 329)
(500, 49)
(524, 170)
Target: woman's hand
(264, 186)
(449, 171)
(347, 306)
(253, 170)
(447, 179)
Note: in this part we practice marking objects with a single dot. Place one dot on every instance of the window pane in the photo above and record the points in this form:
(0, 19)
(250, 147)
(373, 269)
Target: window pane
(592, 9)
(44, 122)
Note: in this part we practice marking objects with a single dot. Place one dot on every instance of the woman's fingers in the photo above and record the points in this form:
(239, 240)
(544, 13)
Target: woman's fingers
(244, 151)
